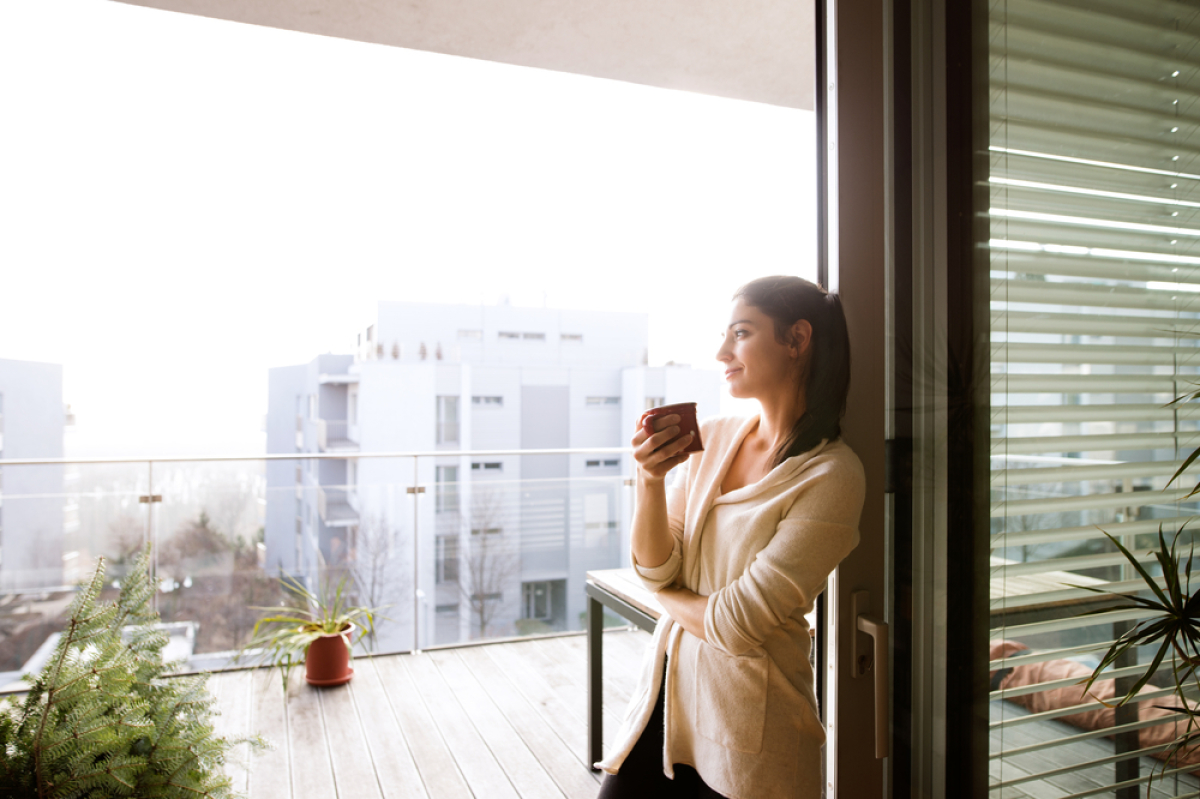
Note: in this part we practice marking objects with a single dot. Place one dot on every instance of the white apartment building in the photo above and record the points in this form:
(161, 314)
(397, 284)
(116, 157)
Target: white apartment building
(503, 541)
(35, 511)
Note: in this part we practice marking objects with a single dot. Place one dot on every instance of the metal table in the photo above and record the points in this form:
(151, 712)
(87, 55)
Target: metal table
(621, 591)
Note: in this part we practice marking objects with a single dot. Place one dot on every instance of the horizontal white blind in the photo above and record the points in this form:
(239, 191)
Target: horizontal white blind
(1095, 309)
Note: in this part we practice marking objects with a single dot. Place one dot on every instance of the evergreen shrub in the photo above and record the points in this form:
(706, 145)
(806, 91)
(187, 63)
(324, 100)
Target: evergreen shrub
(102, 719)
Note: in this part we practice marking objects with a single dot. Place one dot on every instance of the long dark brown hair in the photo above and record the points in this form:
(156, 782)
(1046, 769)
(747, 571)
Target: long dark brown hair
(787, 300)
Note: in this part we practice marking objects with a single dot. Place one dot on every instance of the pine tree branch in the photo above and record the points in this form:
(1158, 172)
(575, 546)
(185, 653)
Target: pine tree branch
(64, 647)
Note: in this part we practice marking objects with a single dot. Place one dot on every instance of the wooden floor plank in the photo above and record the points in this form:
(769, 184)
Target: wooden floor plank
(566, 766)
(527, 776)
(571, 683)
(234, 696)
(567, 679)
(476, 762)
(435, 763)
(353, 770)
(389, 750)
(564, 720)
(312, 773)
(270, 773)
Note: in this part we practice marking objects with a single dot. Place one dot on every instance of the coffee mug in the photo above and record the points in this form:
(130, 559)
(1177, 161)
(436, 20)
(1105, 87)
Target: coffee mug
(687, 422)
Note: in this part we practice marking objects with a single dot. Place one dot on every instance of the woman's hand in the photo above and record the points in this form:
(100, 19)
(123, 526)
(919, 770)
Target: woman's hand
(660, 453)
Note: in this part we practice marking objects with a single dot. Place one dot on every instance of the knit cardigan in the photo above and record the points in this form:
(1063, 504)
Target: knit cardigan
(740, 708)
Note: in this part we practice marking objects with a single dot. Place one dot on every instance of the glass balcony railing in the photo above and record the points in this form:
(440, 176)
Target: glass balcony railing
(456, 546)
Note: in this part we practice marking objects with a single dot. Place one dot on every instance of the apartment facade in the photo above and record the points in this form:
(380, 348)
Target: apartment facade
(501, 541)
(35, 512)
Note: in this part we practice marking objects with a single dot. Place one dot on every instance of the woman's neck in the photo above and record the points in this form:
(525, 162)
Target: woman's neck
(779, 416)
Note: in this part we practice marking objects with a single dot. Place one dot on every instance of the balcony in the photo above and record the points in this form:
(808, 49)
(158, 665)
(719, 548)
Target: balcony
(335, 436)
(333, 506)
(500, 720)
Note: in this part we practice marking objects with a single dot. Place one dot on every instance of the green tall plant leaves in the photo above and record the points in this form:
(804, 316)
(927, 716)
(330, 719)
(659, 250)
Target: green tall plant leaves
(1173, 625)
(102, 719)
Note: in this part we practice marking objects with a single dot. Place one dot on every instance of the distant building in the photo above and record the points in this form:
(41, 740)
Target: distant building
(504, 540)
(34, 513)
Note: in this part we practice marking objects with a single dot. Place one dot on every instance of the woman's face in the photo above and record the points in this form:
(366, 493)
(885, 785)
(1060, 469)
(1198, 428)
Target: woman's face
(756, 363)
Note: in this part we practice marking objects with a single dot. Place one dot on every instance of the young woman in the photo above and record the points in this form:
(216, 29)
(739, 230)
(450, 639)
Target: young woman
(737, 552)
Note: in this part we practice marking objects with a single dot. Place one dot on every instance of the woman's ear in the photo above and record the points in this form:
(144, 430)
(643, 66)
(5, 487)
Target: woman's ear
(801, 338)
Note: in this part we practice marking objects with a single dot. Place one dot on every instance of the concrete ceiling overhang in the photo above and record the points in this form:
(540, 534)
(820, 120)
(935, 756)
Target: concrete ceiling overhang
(758, 50)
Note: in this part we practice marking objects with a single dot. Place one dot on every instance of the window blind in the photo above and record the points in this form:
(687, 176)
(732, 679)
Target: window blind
(1095, 311)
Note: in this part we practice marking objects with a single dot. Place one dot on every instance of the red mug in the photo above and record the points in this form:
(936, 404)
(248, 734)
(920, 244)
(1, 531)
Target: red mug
(687, 422)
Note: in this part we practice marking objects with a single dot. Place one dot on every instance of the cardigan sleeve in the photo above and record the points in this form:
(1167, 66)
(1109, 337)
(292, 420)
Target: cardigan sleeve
(659, 577)
(816, 533)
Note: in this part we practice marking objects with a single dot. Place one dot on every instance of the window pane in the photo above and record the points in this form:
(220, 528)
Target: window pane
(1095, 312)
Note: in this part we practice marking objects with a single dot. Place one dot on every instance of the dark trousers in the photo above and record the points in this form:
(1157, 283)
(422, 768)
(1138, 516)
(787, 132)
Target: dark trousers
(642, 775)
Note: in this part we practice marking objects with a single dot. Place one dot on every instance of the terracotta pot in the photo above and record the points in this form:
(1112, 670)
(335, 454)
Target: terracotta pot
(328, 659)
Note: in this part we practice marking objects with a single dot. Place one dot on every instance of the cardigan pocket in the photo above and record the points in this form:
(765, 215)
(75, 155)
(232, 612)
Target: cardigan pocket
(731, 697)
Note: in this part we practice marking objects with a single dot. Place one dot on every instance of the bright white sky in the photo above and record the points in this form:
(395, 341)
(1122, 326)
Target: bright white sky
(185, 202)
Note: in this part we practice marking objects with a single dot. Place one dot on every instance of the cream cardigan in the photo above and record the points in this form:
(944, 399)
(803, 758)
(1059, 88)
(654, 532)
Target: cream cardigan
(740, 708)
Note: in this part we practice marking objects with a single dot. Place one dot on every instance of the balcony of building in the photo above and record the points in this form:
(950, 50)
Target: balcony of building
(334, 508)
(336, 435)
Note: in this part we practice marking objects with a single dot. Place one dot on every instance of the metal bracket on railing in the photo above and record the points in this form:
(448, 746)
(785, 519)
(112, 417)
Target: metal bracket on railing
(415, 489)
(146, 499)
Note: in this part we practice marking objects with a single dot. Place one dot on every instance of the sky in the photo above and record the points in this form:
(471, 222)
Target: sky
(186, 202)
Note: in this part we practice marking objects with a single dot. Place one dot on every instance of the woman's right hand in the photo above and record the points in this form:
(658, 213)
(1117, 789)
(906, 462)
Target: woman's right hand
(660, 453)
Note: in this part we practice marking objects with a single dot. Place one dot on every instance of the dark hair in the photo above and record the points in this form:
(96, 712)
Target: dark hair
(787, 300)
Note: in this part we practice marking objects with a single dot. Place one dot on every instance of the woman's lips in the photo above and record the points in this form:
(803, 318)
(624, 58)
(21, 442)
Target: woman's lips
(731, 372)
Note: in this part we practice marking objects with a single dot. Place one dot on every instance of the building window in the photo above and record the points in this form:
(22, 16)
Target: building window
(534, 336)
(446, 567)
(603, 400)
(605, 463)
(446, 490)
(574, 337)
(489, 402)
(654, 402)
(487, 466)
(470, 334)
(536, 602)
(487, 530)
(508, 334)
(447, 420)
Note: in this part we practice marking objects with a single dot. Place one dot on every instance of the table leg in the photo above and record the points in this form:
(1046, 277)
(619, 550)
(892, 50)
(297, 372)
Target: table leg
(595, 636)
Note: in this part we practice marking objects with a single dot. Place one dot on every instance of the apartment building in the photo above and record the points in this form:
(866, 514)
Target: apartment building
(502, 541)
(35, 513)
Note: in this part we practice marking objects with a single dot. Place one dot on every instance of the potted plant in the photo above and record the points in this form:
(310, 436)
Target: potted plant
(319, 629)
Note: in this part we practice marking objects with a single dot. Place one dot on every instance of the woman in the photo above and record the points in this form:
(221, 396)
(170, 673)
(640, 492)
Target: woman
(737, 552)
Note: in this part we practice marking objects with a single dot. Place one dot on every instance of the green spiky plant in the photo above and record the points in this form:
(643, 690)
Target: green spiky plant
(1173, 627)
(281, 639)
(103, 720)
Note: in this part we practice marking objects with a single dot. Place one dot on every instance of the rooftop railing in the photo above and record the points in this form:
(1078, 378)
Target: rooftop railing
(456, 546)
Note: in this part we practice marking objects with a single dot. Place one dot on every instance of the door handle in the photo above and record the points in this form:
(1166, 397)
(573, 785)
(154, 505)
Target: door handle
(877, 630)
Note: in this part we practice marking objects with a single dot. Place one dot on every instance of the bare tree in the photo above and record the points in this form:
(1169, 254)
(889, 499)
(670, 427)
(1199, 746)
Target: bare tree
(489, 565)
(371, 563)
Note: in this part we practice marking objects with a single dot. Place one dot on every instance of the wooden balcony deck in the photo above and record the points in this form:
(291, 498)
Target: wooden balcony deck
(499, 720)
